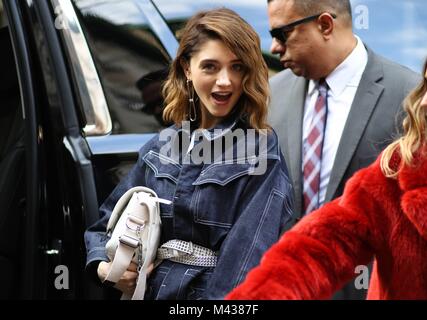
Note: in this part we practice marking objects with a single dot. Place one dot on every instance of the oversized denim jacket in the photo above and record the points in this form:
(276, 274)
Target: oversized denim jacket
(220, 205)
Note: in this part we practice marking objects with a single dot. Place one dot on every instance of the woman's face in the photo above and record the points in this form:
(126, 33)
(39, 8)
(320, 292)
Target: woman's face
(217, 76)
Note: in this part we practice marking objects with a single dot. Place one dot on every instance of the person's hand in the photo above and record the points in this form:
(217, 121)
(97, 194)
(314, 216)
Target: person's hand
(150, 269)
(127, 282)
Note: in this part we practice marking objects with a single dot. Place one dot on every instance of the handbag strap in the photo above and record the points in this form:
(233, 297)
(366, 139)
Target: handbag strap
(123, 257)
(128, 244)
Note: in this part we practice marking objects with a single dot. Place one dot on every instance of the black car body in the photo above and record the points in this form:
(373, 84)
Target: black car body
(65, 156)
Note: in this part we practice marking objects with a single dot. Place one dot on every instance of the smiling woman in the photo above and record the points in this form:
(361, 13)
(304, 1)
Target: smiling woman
(68, 173)
(216, 94)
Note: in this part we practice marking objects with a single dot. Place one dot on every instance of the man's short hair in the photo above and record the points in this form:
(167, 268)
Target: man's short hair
(341, 8)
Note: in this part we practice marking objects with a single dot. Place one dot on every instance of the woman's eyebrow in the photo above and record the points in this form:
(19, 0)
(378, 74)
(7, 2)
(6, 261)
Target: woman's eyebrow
(216, 61)
(209, 60)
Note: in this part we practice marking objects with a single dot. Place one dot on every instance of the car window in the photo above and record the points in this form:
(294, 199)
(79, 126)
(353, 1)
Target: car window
(396, 29)
(130, 59)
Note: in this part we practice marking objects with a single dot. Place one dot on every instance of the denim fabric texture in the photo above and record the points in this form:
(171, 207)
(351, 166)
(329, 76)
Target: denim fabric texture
(218, 205)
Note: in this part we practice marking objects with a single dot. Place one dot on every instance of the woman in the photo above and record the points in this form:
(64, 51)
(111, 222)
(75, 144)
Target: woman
(230, 204)
(382, 214)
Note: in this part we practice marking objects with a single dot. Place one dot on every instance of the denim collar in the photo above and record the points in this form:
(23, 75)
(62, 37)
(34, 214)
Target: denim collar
(219, 130)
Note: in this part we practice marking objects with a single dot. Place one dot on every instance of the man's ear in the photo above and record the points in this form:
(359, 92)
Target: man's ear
(326, 24)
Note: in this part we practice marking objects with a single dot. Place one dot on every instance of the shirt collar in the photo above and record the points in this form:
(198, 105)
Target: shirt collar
(347, 73)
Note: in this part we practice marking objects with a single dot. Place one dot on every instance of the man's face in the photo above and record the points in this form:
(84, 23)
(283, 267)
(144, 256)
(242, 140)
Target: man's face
(302, 51)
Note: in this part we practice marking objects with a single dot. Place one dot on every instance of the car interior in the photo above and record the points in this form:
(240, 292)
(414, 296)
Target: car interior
(12, 168)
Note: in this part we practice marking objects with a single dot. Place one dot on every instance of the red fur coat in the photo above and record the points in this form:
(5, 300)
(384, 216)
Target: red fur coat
(376, 217)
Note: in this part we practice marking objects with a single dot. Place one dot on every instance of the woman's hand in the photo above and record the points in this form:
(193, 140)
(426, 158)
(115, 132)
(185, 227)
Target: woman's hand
(127, 282)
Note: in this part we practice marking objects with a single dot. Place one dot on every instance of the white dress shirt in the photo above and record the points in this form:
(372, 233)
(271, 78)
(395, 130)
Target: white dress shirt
(343, 83)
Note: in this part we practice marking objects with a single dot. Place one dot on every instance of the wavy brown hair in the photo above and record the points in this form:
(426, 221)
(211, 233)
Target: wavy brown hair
(415, 131)
(227, 26)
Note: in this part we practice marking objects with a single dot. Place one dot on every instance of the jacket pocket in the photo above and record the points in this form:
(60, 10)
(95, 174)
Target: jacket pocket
(162, 166)
(155, 283)
(162, 175)
(217, 190)
(193, 284)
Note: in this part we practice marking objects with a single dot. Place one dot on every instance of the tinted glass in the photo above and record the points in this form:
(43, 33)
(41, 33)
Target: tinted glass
(130, 59)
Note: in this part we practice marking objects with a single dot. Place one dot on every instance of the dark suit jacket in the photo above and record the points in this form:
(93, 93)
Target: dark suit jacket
(374, 121)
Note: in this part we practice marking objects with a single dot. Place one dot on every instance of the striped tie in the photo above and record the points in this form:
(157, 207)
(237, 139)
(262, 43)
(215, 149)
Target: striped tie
(313, 146)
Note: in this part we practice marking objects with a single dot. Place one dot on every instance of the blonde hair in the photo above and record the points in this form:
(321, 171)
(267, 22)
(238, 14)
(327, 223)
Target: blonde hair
(415, 130)
(227, 26)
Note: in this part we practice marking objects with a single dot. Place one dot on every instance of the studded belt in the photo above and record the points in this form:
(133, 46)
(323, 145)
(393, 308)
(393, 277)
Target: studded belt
(187, 253)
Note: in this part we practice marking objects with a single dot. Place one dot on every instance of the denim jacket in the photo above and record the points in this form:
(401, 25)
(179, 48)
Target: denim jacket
(221, 205)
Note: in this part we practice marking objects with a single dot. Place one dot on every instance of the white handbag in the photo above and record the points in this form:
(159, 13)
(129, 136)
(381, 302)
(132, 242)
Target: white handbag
(134, 227)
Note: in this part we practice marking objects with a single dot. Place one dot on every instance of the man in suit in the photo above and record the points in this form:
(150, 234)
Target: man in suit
(335, 106)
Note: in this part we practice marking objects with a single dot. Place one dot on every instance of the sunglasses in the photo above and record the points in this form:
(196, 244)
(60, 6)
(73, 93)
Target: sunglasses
(280, 33)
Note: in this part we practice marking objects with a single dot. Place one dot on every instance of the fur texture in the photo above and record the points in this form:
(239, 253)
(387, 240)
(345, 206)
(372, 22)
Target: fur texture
(377, 217)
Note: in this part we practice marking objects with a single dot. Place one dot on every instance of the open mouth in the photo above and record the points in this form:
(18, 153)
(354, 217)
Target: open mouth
(221, 96)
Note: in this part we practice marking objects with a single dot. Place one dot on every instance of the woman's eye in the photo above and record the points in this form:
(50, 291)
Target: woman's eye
(208, 67)
(238, 67)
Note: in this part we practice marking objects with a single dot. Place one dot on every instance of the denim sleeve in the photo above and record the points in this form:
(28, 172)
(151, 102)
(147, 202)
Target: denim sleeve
(265, 207)
(95, 236)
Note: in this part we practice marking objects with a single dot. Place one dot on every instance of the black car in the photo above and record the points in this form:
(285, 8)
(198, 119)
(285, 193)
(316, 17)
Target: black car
(80, 93)
(79, 85)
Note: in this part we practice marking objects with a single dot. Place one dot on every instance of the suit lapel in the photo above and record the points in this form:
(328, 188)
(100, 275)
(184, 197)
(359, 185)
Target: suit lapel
(293, 124)
(364, 103)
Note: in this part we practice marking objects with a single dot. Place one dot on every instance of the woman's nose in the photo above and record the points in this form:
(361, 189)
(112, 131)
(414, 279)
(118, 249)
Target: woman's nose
(223, 78)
